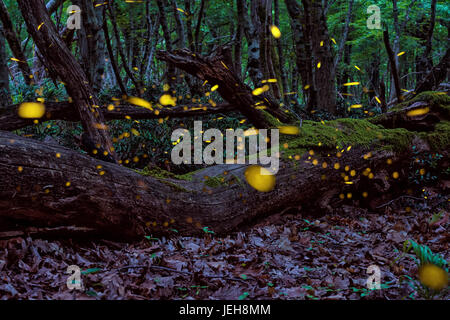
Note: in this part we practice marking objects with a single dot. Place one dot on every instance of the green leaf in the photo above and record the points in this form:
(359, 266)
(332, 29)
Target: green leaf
(243, 296)
(92, 270)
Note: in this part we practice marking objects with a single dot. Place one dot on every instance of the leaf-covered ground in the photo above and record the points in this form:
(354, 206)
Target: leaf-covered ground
(290, 256)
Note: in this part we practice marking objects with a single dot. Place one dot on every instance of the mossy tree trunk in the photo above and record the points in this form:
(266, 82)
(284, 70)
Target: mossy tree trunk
(43, 192)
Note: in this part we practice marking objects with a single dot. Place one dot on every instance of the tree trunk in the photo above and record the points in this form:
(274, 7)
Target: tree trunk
(238, 45)
(14, 44)
(281, 61)
(303, 53)
(61, 62)
(323, 72)
(426, 61)
(171, 77)
(5, 98)
(344, 35)
(91, 41)
(198, 25)
(393, 65)
(252, 31)
(78, 193)
(119, 49)
(436, 75)
(112, 58)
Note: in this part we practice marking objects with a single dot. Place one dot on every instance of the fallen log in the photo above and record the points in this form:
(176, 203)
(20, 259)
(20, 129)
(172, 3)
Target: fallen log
(46, 186)
(9, 119)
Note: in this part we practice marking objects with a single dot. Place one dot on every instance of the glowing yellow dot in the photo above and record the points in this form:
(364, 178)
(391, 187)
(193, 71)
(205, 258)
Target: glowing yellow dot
(68, 184)
(20, 169)
(58, 155)
(433, 277)
(353, 173)
(365, 194)
(315, 162)
(260, 178)
(324, 165)
(31, 110)
(395, 175)
(275, 31)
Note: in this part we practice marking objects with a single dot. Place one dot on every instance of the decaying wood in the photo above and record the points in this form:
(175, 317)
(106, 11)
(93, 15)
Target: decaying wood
(42, 190)
(9, 119)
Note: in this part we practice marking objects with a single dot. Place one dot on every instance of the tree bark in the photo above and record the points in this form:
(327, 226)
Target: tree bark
(345, 32)
(323, 72)
(61, 62)
(5, 98)
(120, 50)
(171, 77)
(112, 58)
(251, 32)
(218, 69)
(394, 71)
(14, 43)
(76, 192)
(436, 75)
(281, 60)
(303, 53)
(91, 41)
(198, 25)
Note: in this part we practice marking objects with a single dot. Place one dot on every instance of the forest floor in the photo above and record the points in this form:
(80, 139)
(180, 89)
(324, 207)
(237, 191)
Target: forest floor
(289, 256)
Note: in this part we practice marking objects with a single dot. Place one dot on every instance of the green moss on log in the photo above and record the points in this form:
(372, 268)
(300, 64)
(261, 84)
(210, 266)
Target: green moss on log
(439, 138)
(341, 133)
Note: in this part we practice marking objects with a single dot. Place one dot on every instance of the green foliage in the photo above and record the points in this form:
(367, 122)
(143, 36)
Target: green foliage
(424, 255)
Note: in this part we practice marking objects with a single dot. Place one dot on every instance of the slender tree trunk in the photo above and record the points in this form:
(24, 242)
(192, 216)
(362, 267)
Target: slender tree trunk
(303, 53)
(252, 32)
(323, 72)
(265, 14)
(238, 44)
(394, 71)
(112, 58)
(91, 40)
(119, 49)
(396, 45)
(14, 43)
(344, 35)
(428, 45)
(5, 98)
(171, 75)
(189, 31)
(198, 25)
(281, 60)
(151, 39)
(181, 42)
